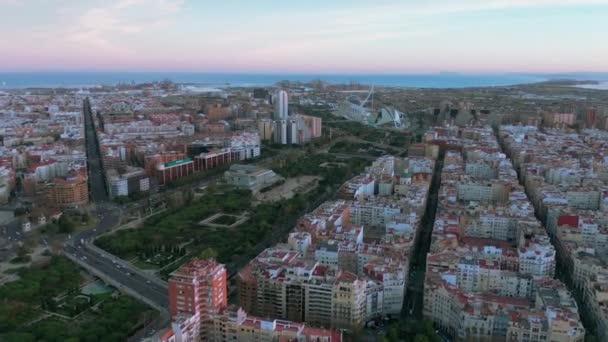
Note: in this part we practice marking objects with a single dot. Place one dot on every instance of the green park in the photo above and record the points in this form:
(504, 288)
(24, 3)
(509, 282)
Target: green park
(168, 239)
(48, 303)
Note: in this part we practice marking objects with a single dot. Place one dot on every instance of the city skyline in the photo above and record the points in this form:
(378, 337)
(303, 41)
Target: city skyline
(317, 37)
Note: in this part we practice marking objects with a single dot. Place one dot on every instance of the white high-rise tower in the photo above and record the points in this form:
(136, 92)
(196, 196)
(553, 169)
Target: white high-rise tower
(281, 110)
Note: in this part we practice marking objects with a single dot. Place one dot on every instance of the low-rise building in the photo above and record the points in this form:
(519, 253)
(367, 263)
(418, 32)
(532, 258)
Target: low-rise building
(250, 177)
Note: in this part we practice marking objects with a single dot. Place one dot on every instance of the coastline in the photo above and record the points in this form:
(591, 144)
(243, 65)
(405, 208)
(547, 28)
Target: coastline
(15, 81)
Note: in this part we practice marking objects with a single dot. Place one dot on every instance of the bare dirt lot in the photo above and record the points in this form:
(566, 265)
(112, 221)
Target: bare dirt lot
(288, 189)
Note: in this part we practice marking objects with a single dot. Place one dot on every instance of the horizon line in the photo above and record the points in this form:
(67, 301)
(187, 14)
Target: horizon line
(304, 73)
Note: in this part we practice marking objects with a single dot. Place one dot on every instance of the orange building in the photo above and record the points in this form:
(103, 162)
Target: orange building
(314, 124)
(217, 112)
(212, 159)
(151, 161)
(69, 192)
(199, 312)
(198, 288)
(558, 119)
(29, 184)
(174, 170)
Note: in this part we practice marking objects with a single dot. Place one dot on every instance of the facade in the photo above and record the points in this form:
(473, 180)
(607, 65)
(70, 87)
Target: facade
(71, 191)
(199, 312)
(280, 284)
(558, 119)
(491, 263)
(213, 159)
(373, 212)
(296, 129)
(152, 161)
(217, 112)
(173, 170)
(132, 181)
(314, 125)
(279, 132)
(569, 194)
(250, 177)
(265, 127)
(292, 132)
(198, 288)
(281, 102)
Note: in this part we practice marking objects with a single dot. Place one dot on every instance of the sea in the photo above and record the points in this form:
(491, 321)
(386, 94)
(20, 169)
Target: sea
(20, 80)
(599, 86)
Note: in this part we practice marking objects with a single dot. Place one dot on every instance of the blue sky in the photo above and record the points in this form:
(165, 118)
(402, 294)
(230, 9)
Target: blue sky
(338, 36)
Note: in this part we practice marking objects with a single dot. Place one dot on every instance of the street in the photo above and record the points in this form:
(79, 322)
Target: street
(126, 277)
(97, 186)
(414, 298)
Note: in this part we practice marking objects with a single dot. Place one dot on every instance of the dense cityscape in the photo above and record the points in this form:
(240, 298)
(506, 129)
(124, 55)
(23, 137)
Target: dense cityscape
(309, 212)
(303, 171)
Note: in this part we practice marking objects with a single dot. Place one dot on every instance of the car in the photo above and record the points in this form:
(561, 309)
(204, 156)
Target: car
(148, 282)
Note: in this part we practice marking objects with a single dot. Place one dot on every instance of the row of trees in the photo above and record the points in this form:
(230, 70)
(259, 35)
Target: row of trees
(411, 330)
(168, 254)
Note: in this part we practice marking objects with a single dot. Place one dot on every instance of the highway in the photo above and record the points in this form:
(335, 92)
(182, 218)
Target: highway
(116, 270)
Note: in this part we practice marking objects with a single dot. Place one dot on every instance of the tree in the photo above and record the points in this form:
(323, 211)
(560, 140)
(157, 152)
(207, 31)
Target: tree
(421, 338)
(429, 329)
(22, 252)
(51, 228)
(208, 253)
(393, 332)
(19, 212)
(65, 224)
(86, 217)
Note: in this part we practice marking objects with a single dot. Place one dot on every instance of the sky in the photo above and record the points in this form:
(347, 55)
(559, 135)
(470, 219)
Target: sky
(307, 36)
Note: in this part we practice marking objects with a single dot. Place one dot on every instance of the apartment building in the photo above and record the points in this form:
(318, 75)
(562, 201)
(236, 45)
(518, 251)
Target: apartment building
(236, 325)
(198, 288)
(173, 170)
(570, 199)
(152, 161)
(491, 262)
(71, 191)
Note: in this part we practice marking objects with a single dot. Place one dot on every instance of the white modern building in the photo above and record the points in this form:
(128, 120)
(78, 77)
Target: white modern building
(281, 104)
(280, 132)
